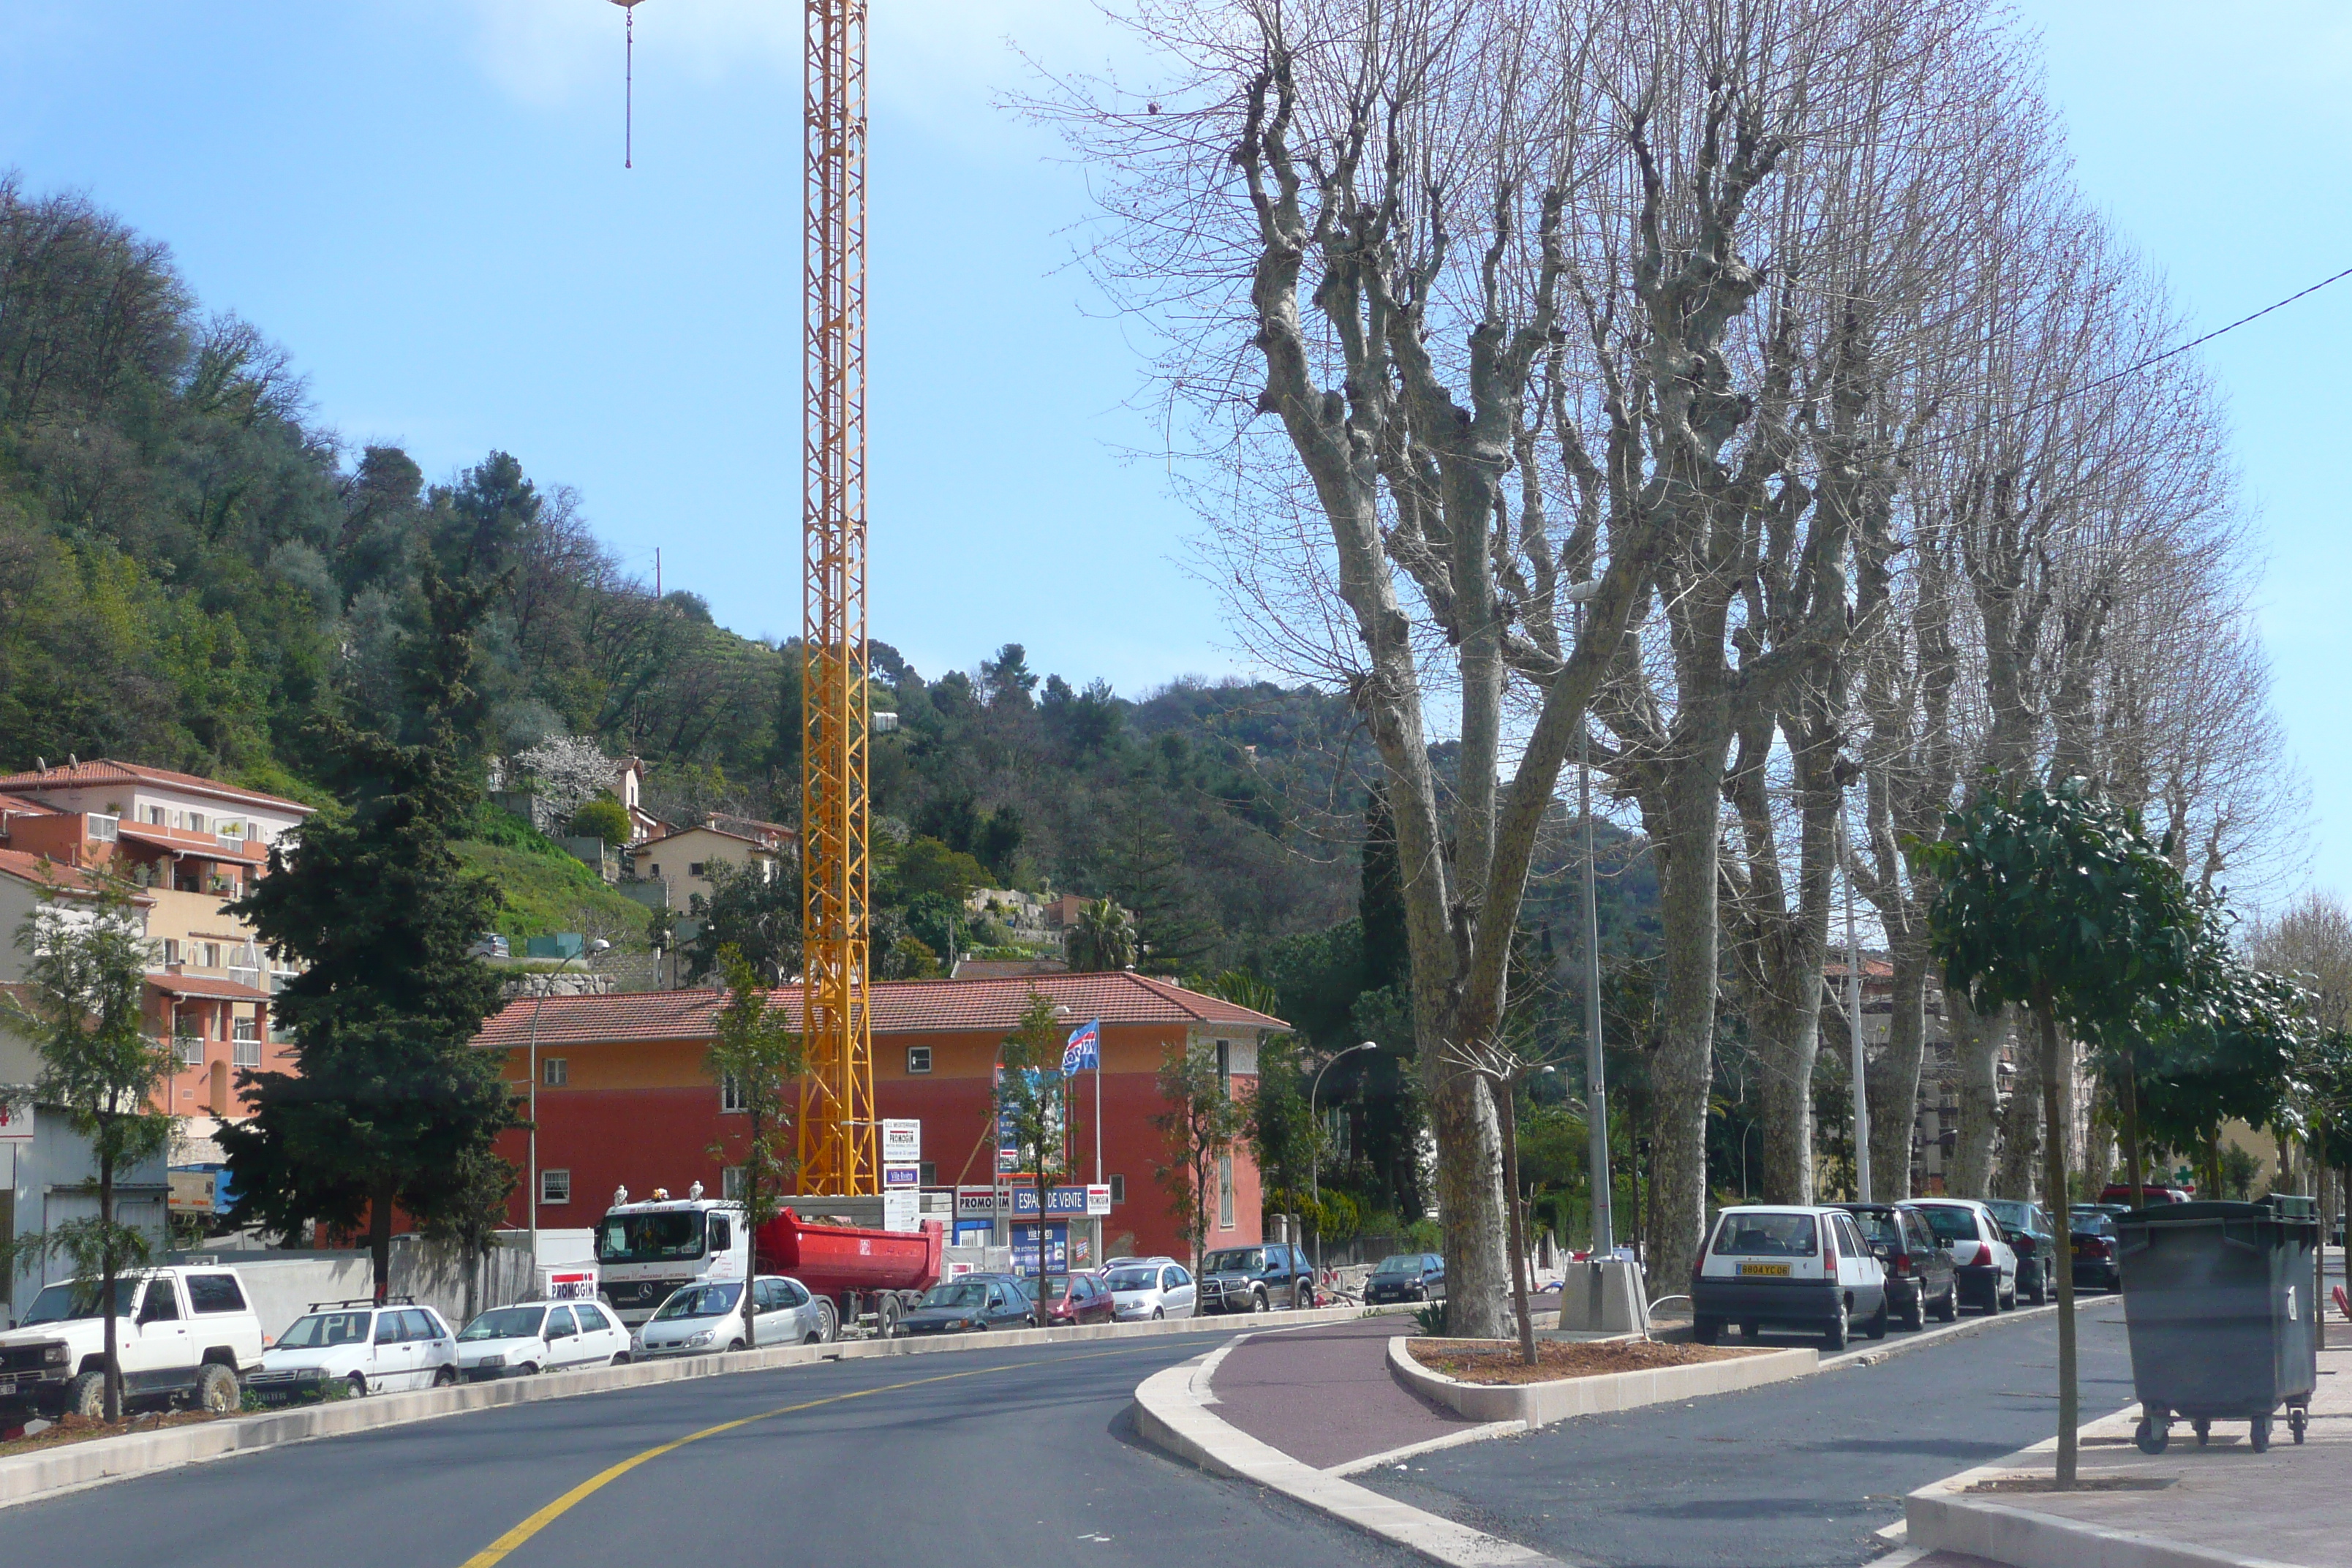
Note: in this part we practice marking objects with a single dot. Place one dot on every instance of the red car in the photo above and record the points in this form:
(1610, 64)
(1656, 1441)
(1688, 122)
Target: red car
(1070, 1298)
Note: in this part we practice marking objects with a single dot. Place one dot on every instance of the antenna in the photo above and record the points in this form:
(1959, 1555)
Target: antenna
(629, 82)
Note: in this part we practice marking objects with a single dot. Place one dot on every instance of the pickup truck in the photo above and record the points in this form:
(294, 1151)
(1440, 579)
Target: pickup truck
(185, 1335)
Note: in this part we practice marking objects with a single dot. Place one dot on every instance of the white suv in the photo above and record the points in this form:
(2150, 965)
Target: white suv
(182, 1336)
(361, 1347)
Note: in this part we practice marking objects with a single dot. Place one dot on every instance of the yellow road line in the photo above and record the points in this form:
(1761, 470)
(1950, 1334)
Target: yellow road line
(497, 1550)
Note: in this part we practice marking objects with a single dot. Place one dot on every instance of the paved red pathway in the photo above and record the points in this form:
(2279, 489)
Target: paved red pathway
(1325, 1394)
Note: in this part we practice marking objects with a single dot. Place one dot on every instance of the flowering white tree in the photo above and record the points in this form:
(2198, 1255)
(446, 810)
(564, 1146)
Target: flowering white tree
(568, 772)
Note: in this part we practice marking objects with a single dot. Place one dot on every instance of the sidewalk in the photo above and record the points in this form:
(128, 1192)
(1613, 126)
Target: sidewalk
(1324, 1396)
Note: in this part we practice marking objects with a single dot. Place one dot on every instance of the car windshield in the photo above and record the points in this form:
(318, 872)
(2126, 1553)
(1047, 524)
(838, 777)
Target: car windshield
(2094, 1225)
(318, 1329)
(1950, 1224)
(80, 1299)
(649, 1238)
(2015, 1216)
(1400, 1263)
(1055, 1285)
(1877, 1226)
(1132, 1280)
(505, 1323)
(1748, 1235)
(1237, 1261)
(958, 1293)
(700, 1301)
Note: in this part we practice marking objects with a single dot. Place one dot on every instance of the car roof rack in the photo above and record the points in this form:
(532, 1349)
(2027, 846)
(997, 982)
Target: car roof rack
(358, 1302)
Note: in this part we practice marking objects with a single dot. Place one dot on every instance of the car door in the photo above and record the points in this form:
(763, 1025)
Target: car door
(156, 1355)
(600, 1338)
(390, 1357)
(563, 1332)
(431, 1347)
(1434, 1269)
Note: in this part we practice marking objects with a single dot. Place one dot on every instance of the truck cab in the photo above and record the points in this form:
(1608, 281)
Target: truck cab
(646, 1250)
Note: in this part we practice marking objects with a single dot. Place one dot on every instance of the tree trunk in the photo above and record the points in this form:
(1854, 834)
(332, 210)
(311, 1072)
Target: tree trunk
(1470, 1200)
(1682, 1070)
(2021, 1123)
(1894, 1080)
(106, 1270)
(1975, 1044)
(379, 1240)
(1788, 1034)
(2057, 1069)
(1506, 1112)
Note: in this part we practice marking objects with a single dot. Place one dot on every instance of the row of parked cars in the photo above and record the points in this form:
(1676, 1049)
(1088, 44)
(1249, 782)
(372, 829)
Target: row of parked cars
(1838, 1269)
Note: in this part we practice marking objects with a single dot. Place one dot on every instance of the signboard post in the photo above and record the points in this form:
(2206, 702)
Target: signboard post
(902, 1141)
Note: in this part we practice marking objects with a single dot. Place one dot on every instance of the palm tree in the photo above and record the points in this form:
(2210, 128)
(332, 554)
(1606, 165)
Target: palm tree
(1101, 937)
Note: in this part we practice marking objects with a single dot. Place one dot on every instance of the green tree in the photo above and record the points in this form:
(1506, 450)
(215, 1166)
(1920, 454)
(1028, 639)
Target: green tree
(391, 1106)
(1029, 1104)
(86, 978)
(1101, 937)
(2054, 899)
(604, 818)
(1201, 1122)
(758, 917)
(928, 865)
(754, 1054)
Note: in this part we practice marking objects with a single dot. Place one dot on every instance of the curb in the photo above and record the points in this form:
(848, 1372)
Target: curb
(1535, 1404)
(71, 1467)
(1877, 1350)
(1171, 1414)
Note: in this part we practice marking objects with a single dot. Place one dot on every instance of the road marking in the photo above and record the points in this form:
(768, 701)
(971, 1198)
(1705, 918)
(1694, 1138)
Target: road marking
(497, 1550)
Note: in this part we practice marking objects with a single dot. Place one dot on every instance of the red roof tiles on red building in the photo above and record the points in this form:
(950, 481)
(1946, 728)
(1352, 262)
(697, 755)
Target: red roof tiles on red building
(900, 1007)
(82, 775)
(64, 877)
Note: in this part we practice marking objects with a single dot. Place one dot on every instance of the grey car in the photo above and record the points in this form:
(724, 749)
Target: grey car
(1149, 1288)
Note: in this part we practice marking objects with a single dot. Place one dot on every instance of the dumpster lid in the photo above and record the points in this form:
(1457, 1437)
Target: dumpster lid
(2278, 1206)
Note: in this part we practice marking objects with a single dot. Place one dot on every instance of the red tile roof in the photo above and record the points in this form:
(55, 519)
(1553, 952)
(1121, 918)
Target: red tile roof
(250, 850)
(67, 879)
(80, 775)
(205, 985)
(21, 806)
(900, 1007)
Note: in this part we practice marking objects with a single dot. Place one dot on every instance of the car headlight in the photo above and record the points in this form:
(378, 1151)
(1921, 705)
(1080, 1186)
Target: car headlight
(54, 1355)
(492, 1361)
(700, 1339)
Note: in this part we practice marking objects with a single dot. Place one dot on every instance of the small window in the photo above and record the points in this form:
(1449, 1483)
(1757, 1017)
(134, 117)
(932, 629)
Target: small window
(163, 1303)
(419, 1324)
(195, 822)
(170, 949)
(158, 817)
(211, 959)
(722, 1234)
(591, 1318)
(927, 1172)
(555, 1186)
(919, 1060)
(554, 1071)
(252, 832)
(1118, 1191)
(559, 1325)
(215, 1293)
(1225, 1188)
(694, 868)
(731, 1184)
(730, 1094)
(793, 1295)
(388, 1330)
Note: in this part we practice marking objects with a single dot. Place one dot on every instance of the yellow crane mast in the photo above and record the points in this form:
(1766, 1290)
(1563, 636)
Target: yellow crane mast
(836, 1110)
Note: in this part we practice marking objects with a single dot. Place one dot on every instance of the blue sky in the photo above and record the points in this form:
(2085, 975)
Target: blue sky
(424, 199)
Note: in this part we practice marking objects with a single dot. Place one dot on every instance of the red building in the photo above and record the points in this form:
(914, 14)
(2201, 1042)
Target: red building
(625, 1099)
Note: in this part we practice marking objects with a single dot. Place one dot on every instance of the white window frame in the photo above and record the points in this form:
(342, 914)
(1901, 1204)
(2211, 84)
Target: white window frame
(732, 1185)
(730, 1096)
(1225, 1192)
(919, 1060)
(245, 1052)
(555, 1187)
(554, 1072)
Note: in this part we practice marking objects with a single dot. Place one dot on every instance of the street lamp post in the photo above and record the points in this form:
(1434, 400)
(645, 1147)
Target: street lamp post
(1315, 1160)
(1861, 1183)
(1596, 1075)
(538, 1002)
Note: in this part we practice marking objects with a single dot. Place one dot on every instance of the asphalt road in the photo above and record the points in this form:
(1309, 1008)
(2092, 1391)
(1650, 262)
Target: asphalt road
(1017, 1456)
(1791, 1475)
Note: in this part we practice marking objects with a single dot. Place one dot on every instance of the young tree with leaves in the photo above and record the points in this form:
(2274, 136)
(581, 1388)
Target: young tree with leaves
(755, 1054)
(87, 976)
(2054, 899)
(1029, 1105)
(1202, 1122)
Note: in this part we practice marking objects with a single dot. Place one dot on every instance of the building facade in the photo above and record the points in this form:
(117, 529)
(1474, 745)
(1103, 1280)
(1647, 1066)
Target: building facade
(624, 1098)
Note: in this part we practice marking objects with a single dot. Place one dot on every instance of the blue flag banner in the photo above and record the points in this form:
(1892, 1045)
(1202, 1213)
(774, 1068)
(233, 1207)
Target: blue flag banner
(1085, 1049)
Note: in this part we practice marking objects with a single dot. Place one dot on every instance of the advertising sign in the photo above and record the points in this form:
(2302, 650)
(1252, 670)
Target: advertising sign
(15, 1121)
(902, 1209)
(1058, 1200)
(1025, 1247)
(1099, 1198)
(902, 1142)
(907, 1176)
(975, 1202)
(191, 1192)
(571, 1283)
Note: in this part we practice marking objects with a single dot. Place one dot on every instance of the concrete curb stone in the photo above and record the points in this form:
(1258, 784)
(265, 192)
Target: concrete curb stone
(73, 1466)
(1538, 1404)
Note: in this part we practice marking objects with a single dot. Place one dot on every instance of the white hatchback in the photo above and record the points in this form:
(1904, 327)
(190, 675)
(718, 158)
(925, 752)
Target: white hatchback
(1143, 1288)
(699, 1319)
(1982, 1260)
(1788, 1268)
(540, 1336)
(361, 1346)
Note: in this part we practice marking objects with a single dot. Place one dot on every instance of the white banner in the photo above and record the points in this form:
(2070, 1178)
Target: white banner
(902, 1210)
(15, 1121)
(902, 1142)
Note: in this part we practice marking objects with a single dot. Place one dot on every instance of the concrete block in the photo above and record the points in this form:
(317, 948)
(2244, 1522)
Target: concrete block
(1604, 1296)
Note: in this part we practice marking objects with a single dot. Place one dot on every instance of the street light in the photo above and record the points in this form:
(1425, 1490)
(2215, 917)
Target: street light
(594, 948)
(1846, 858)
(1315, 1161)
(1596, 1076)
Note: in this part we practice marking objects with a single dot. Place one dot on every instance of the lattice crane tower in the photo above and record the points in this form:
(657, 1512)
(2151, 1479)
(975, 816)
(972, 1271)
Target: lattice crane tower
(836, 1110)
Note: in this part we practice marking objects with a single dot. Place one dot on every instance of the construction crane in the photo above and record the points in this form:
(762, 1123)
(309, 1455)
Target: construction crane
(836, 1123)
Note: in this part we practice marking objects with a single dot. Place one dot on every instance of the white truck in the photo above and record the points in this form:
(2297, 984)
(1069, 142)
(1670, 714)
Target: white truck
(183, 1335)
(646, 1250)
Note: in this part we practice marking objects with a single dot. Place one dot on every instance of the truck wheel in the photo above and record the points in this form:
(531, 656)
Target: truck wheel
(86, 1395)
(890, 1317)
(216, 1390)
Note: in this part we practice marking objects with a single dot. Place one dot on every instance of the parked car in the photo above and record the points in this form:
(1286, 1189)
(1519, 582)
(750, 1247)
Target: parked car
(1788, 1268)
(1406, 1276)
(2097, 1260)
(697, 1320)
(1254, 1278)
(2035, 1236)
(1069, 1300)
(1148, 1288)
(183, 1335)
(973, 1304)
(532, 1337)
(1981, 1255)
(2121, 1192)
(1919, 1276)
(365, 1348)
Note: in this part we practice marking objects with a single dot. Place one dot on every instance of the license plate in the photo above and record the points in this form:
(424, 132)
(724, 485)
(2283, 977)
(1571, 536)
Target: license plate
(7, 1388)
(1764, 1270)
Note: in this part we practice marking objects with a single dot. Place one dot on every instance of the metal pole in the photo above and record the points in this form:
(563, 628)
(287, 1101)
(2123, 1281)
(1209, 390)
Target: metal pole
(1596, 1072)
(1315, 1165)
(1853, 1018)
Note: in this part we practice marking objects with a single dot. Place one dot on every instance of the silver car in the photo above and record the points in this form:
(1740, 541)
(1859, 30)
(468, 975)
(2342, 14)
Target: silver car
(1143, 1288)
(699, 1319)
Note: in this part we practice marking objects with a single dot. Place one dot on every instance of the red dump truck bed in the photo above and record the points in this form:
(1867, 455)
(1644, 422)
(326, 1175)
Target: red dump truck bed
(832, 1260)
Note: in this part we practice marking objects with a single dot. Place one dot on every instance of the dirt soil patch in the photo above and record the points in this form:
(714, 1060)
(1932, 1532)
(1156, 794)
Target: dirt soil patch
(1485, 1361)
(84, 1428)
(2085, 1484)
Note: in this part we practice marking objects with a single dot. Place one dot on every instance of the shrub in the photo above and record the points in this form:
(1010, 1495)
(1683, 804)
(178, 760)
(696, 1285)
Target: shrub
(604, 818)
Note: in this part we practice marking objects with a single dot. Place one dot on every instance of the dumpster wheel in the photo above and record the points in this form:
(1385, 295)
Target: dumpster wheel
(2204, 1430)
(2152, 1436)
(2297, 1420)
(2259, 1433)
